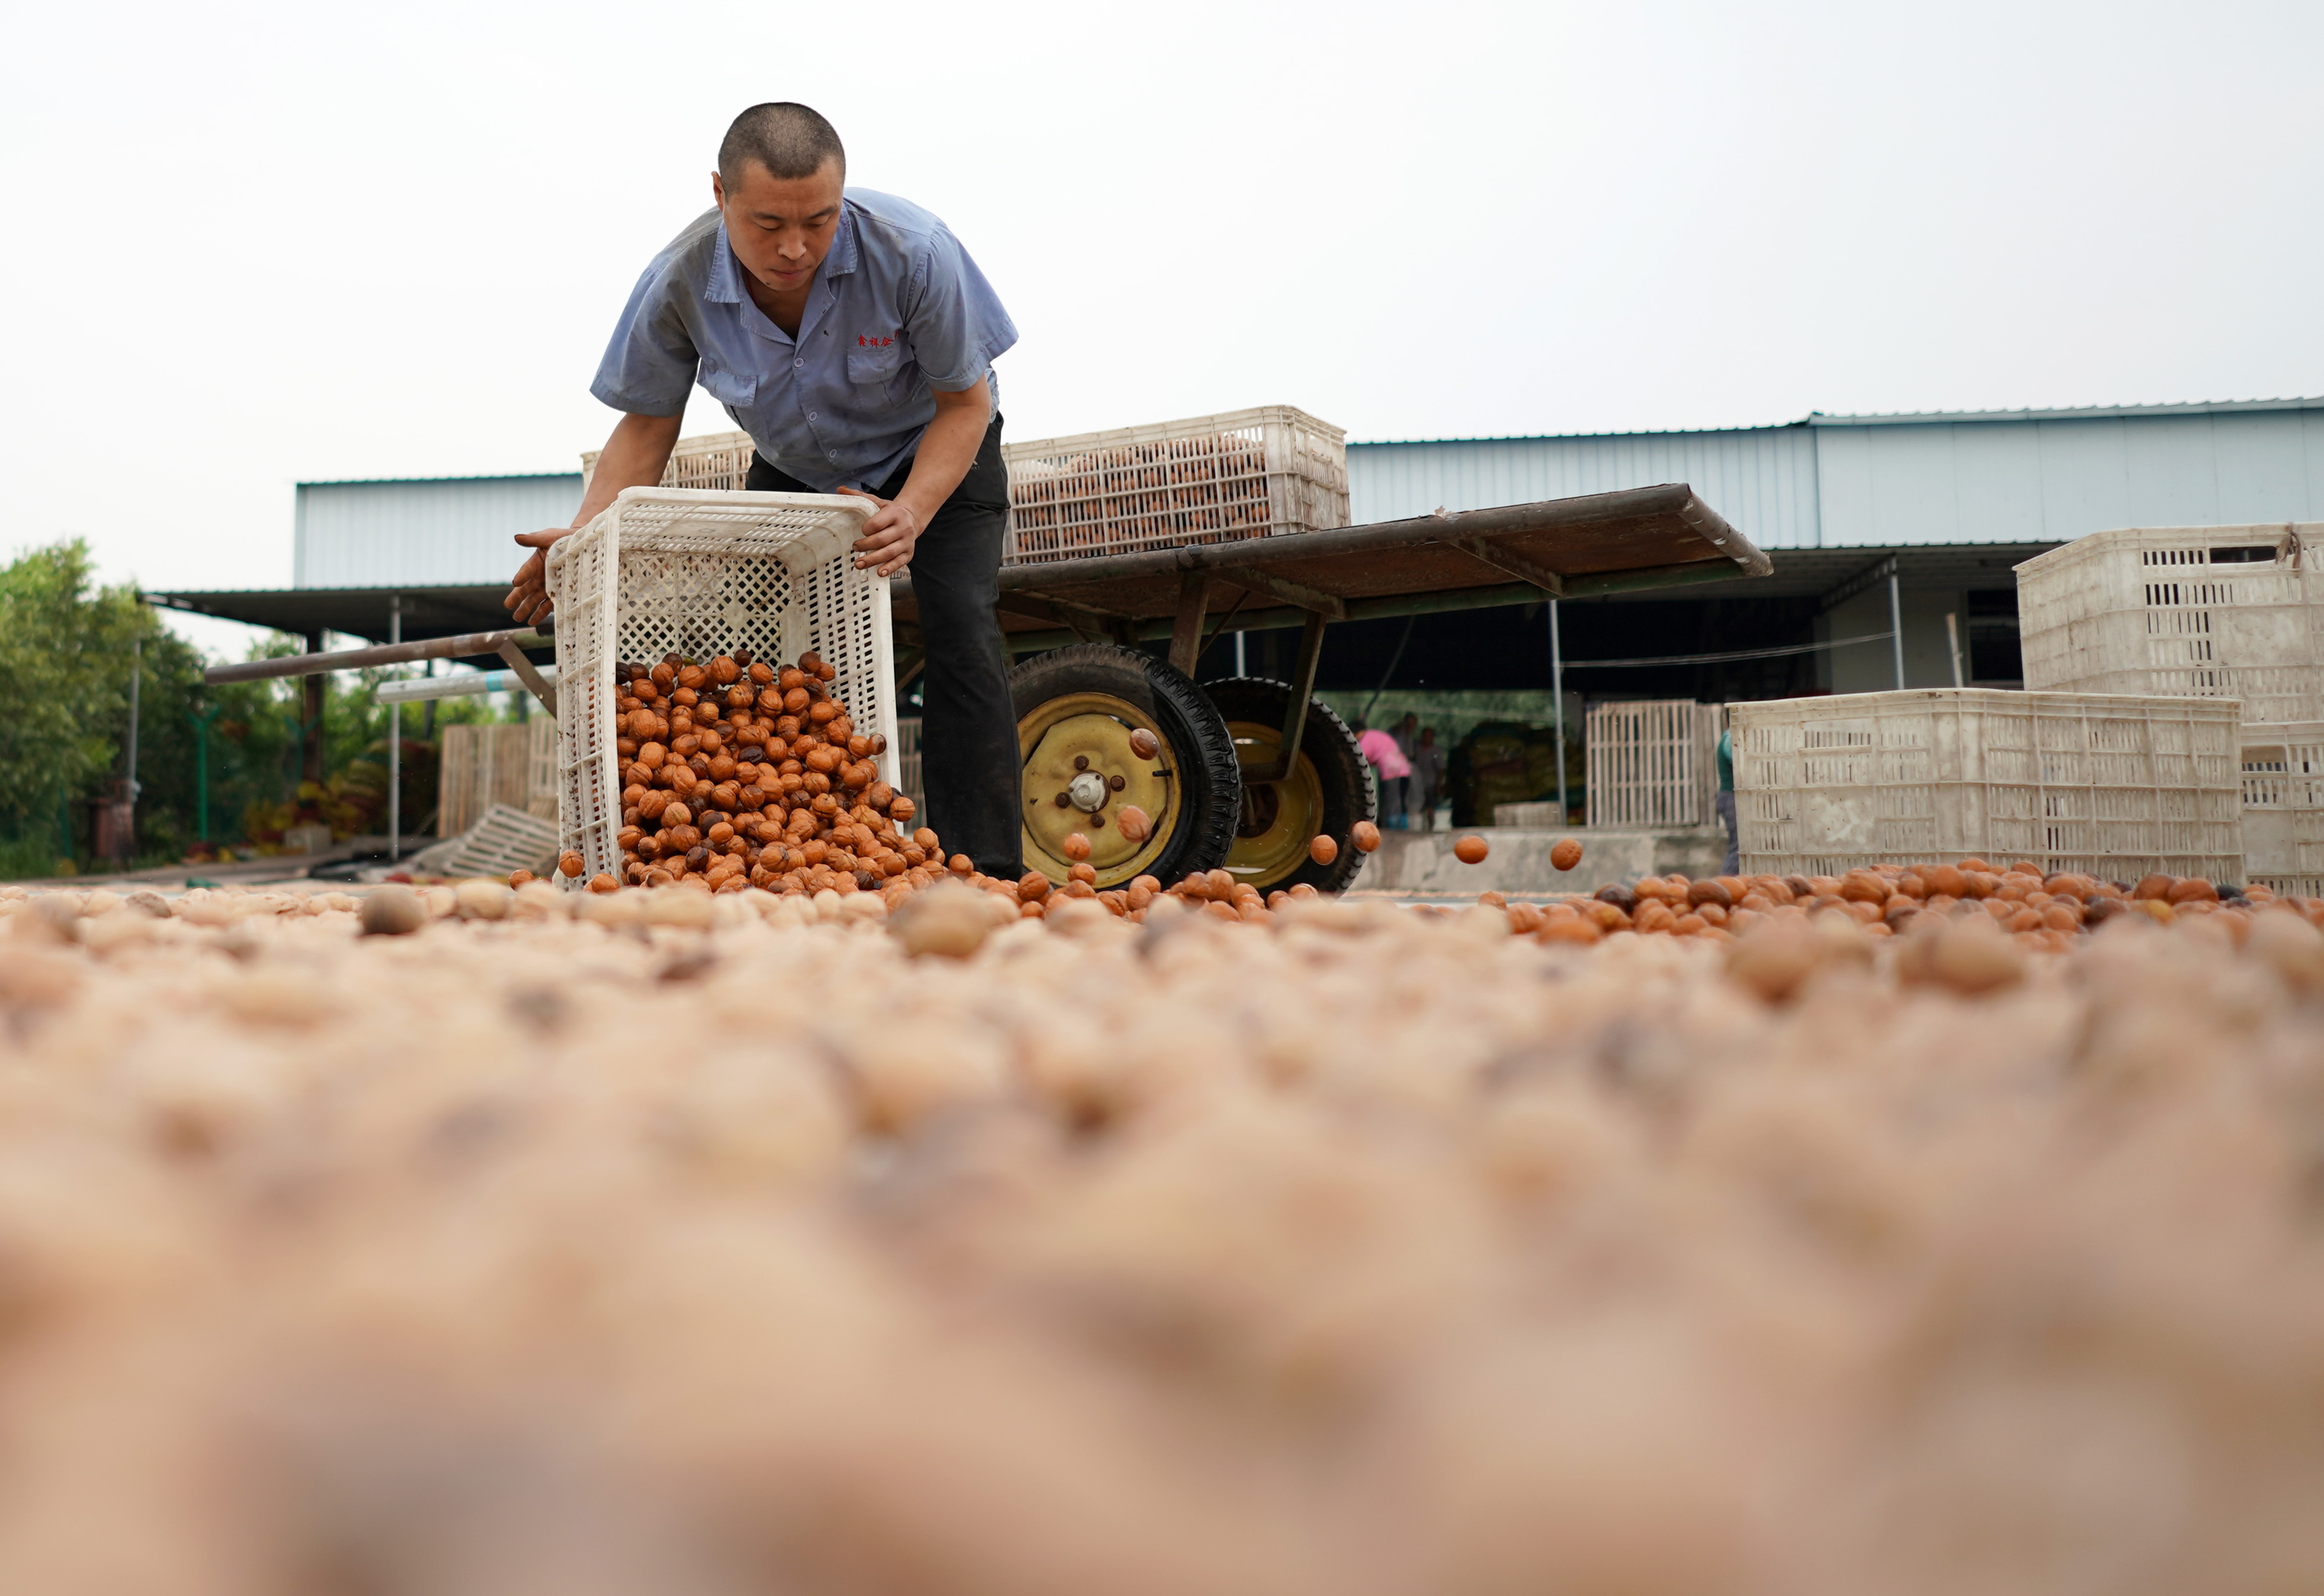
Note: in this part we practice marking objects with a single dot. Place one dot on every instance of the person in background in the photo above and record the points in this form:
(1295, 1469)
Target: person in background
(1408, 738)
(1723, 803)
(1390, 768)
(1427, 779)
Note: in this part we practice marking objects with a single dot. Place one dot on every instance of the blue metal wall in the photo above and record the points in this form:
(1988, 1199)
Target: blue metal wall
(1884, 481)
(2042, 477)
(1762, 479)
(443, 532)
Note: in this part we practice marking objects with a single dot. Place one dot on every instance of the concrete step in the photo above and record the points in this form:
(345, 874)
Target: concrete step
(1423, 861)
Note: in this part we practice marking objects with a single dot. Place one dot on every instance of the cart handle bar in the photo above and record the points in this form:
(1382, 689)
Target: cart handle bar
(438, 648)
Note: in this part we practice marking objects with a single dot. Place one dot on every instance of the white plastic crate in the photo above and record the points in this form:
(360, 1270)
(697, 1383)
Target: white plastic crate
(2283, 806)
(700, 573)
(2116, 786)
(480, 766)
(1208, 479)
(718, 461)
(2234, 611)
(501, 840)
(1651, 763)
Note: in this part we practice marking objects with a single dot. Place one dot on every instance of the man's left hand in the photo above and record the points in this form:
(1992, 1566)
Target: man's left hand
(889, 537)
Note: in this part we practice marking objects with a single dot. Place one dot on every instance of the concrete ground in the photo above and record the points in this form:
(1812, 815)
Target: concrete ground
(282, 870)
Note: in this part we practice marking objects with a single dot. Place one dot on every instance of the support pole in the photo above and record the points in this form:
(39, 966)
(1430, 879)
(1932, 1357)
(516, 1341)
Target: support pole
(395, 746)
(136, 682)
(312, 763)
(1952, 640)
(201, 719)
(1557, 710)
(1295, 710)
(1187, 631)
(1896, 627)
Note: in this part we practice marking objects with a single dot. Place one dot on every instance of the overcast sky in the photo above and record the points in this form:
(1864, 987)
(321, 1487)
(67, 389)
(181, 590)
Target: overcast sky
(252, 244)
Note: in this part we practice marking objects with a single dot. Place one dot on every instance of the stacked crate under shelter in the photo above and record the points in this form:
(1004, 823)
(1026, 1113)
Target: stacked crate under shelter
(2222, 612)
(2115, 786)
(1651, 764)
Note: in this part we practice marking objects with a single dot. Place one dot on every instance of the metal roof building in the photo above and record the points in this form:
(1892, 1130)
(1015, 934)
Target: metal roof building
(1901, 481)
(1949, 502)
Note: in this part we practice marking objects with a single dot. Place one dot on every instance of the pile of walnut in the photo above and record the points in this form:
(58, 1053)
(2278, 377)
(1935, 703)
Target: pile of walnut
(2040, 911)
(695, 1245)
(741, 775)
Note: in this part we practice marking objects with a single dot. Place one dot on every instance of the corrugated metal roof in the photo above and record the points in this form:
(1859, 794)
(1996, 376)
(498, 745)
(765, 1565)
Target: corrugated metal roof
(2099, 413)
(1374, 443)
(365, 482)
(1763, 480)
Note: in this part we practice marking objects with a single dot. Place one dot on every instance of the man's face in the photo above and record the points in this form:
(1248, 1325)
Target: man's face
(780, 227)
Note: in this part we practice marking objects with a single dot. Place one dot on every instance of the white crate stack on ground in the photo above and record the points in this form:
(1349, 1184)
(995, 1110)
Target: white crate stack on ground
(1208, 479)
(719, 461)
(501, 840)
(2118, 786)
(1650, 763)
(2283, 806)
(510, 764)
(2234, 611)
(698, 573)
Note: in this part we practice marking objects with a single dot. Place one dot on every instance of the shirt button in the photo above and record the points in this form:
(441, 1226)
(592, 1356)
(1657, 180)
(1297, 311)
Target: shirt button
(799, 362)
(814, 416)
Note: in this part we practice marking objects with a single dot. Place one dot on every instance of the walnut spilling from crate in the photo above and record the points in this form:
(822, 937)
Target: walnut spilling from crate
(740, 774)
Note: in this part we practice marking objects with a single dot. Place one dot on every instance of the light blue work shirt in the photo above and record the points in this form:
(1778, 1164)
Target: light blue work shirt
(897, 309)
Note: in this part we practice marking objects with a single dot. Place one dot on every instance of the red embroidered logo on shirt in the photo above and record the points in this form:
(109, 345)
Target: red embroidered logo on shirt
(864, 343)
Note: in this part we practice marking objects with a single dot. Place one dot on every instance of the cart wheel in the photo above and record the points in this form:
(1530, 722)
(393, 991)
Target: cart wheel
(1327, 792)
(1077, 712)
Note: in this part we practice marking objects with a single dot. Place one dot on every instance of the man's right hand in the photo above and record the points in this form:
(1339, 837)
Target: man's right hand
(528, 599)
(633, 456)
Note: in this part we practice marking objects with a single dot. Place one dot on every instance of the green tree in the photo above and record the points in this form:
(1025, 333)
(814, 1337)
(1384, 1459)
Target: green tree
(67, 649)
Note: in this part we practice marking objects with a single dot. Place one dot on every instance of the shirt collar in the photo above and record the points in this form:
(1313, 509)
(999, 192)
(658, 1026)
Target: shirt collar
(724, 286)
(841, 259)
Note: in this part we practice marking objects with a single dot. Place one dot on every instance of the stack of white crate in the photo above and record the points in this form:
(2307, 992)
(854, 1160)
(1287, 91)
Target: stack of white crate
(1650, 764)
(2115, 786)
(2231, 612)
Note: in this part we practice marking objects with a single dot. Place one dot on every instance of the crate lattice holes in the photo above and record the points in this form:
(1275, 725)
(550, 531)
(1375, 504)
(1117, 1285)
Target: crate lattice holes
(2283, 806)
(1207, 479)
(700, 573)
(1650, 763)
(2230, 611)
(2118, 786)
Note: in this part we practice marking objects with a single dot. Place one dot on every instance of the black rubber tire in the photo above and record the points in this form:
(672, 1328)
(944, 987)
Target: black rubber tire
(1343, 776)
(1197, 734)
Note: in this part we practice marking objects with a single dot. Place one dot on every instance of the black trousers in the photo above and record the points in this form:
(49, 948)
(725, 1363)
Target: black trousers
(969, 763)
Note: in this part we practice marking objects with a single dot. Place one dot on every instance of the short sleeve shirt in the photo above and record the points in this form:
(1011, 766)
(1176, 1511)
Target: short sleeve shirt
(897, 309)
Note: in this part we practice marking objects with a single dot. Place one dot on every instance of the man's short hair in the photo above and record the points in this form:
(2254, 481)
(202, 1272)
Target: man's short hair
(790, 140)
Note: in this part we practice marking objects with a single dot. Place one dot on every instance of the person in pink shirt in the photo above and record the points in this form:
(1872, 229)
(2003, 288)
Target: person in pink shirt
(1389, 761)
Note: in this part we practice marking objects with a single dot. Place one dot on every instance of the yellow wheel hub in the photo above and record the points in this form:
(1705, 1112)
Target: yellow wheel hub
(1278, 817)
(1080, 772)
